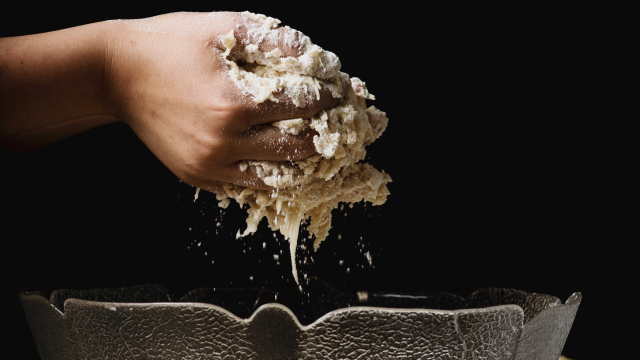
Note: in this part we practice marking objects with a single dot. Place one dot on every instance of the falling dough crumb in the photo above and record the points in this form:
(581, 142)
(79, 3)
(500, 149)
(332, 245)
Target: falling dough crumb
(310, 188)
(223, 203)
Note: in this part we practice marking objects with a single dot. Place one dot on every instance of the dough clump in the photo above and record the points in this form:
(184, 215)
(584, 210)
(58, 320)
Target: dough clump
(306, 189)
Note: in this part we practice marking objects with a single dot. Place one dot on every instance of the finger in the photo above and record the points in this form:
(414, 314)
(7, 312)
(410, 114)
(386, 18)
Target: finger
(248, 113)
(212, 186)
(247, 178)
(285, 108)
(267, 35)
(231, 174)
(263, 41)
(266, 142)
(298, 100)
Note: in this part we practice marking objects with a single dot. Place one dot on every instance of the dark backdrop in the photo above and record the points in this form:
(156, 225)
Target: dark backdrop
(507, 145)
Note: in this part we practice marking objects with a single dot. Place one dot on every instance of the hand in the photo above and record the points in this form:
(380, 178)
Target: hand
(167, 79)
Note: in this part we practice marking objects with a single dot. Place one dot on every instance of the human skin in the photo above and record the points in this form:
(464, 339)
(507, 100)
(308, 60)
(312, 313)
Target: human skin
(165, 78)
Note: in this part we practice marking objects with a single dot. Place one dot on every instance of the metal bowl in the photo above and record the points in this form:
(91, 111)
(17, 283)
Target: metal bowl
(145, 322)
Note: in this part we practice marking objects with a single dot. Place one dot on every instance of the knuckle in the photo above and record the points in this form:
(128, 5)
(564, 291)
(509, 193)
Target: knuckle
(209, 147)
(232, 113)
(205, 153)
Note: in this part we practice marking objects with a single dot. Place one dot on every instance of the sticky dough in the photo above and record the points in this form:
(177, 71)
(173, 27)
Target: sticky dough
(310, 188)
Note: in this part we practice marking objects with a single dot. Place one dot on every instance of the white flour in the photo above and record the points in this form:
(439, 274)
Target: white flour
(310, 188)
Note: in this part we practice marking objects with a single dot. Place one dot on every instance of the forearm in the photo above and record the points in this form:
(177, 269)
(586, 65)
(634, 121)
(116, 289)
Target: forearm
(52, 84)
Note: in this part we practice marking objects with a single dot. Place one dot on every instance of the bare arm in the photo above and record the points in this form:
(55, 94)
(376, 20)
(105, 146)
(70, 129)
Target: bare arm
(163, 76)
(52, 86)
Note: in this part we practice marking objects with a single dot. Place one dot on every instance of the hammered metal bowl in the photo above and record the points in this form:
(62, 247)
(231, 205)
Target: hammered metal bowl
(145, 322)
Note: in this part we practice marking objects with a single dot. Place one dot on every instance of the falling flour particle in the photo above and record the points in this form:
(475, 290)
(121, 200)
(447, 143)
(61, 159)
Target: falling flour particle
(306, 189)
(369, 258)
(195, 197)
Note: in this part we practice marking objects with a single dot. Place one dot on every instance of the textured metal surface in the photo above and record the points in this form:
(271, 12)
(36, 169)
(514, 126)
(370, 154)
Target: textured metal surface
(49, 327)
(490, 324)
(136, 294)
(544, 336)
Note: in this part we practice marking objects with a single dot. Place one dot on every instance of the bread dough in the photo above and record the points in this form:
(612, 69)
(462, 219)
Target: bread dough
(310, 188)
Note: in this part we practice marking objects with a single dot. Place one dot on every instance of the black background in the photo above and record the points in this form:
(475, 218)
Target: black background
(508, 146)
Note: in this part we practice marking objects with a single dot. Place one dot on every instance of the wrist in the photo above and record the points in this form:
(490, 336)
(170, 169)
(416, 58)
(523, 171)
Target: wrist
(124, 67)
